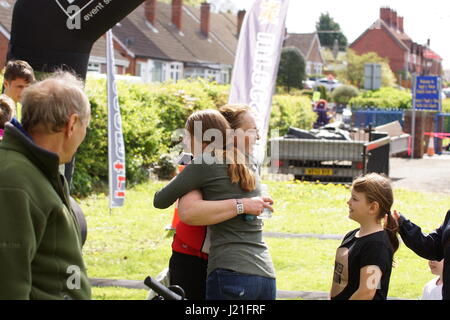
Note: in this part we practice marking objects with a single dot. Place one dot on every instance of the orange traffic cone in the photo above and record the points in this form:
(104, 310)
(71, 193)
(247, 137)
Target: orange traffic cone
(176, 217)
(430, 150)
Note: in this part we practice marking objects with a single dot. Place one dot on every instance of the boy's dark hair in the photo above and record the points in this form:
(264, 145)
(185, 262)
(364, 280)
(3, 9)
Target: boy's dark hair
(19, 69)
(6, 110)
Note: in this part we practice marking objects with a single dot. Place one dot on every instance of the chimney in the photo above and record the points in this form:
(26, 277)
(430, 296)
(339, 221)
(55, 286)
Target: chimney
(205, 16)
(177, 8)
(394, 19)
(150, 11)
(428, 43)
(400, 24)
(240, 20)
(385, 15)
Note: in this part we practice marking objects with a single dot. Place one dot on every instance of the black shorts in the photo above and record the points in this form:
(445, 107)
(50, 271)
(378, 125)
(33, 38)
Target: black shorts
(189, 272)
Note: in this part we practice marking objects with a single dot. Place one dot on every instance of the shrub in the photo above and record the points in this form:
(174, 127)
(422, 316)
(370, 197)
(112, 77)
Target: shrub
(344, 93)
(291, 111)
(446, 105)
(323, 92)
(386, 98)
(151, 113)
(291, 72)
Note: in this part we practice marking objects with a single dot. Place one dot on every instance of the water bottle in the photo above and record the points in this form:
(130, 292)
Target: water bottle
(267, 213)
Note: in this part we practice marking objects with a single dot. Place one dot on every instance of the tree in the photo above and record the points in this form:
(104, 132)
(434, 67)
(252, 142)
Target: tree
(354, 73)
(291, 72)
(327, 39)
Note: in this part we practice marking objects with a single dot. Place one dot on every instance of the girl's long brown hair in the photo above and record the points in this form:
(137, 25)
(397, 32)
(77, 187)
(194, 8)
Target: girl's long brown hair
(237, 170)
(377, 188)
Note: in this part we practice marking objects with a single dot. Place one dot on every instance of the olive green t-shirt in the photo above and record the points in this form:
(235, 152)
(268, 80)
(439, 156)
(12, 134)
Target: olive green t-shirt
(236, 244)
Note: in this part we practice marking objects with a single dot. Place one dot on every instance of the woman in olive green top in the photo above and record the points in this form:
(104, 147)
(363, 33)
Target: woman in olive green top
(238, 259)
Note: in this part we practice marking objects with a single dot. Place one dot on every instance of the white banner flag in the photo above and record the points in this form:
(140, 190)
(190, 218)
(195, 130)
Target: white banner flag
(257, 60)
(116, 147)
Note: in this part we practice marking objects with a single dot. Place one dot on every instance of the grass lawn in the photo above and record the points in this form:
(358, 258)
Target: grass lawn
(131, 242)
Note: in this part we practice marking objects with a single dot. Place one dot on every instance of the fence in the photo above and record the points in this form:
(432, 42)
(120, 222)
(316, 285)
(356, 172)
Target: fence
(362, 118)
(365, 117)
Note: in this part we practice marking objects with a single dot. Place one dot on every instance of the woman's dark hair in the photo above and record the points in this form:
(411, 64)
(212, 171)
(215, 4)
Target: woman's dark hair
(377, 188)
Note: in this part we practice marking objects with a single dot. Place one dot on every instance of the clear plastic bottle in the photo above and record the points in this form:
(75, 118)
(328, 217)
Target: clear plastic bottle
(267, 213)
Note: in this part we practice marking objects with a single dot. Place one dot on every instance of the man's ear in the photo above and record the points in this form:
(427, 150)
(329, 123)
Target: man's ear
(70, 126)
(6, 84)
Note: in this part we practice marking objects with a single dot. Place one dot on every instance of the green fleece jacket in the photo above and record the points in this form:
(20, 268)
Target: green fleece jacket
(40, 240)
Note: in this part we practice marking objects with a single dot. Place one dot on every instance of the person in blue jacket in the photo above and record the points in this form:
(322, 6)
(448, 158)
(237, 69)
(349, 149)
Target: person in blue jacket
(433, 246)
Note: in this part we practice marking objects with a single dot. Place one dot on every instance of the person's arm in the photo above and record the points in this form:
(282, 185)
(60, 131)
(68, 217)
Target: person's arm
(193, 210)
(21, 227)
(427, 246)
(369, 280)
(189, 179)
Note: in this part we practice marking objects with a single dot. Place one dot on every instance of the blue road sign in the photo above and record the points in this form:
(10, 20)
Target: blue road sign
(427, 93)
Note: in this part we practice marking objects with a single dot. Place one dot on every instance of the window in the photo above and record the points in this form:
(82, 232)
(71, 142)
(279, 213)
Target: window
(225, 76)
(212, 75)
(157, 71)
(94, 67)
(175, 71)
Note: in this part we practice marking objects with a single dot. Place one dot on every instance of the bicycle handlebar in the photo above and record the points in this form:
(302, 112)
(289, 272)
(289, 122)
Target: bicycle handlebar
(164, 292)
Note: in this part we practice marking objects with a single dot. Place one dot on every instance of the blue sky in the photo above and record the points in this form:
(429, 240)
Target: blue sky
(423, 19)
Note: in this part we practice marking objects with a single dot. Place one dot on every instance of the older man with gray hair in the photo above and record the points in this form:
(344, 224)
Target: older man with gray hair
(40, 240)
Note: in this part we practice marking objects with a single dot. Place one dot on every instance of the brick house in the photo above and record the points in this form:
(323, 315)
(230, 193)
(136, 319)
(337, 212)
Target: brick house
(388, 39)
(97, 60)
(309, 46)
(160, 42)
(173, 41)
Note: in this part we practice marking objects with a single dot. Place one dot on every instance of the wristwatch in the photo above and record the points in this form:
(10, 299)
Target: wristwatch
(239, 207)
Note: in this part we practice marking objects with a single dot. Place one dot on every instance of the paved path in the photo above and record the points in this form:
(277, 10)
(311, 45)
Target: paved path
(430, 174)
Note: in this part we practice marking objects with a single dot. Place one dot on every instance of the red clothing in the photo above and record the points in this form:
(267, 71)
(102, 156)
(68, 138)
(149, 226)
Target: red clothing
(191, 240)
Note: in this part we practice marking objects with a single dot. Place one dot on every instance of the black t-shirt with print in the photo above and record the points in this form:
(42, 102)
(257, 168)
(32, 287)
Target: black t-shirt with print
(356, 253)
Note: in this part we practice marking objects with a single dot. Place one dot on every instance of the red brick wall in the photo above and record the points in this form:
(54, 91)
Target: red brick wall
(3, 50)
(132, 66)
(379, 41)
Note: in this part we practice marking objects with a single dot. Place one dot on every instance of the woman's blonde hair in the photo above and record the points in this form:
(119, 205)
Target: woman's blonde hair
(213, 119)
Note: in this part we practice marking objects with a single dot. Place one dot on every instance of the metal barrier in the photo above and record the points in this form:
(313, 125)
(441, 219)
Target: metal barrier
(362, 118)
(445, 129)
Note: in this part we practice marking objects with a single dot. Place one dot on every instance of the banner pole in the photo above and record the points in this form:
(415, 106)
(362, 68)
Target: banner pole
(413, 121)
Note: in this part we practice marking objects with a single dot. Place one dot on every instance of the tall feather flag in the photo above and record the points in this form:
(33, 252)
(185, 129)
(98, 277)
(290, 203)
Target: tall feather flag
(256, 63)
(116, 147)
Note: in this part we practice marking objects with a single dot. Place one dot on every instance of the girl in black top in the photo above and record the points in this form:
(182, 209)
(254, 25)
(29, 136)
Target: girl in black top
(364, 260)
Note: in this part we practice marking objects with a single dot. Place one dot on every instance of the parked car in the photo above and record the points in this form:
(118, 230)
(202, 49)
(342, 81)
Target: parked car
(329, 84)
(308, 84)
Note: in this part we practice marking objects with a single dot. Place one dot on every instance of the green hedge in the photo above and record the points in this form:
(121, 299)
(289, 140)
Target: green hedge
(150, 115)
(446, 105)
(291, 111)
(387, 98)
